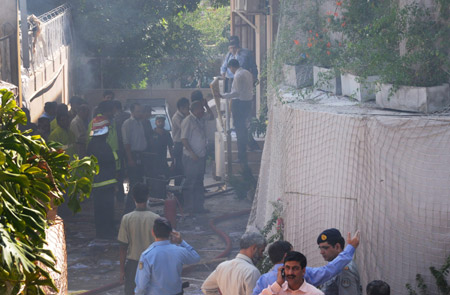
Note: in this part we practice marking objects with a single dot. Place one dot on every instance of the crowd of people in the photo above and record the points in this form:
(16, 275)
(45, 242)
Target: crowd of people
(152, 254)
(158, 268)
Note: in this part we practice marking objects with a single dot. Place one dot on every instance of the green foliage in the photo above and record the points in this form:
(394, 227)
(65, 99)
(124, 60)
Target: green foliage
(211, 27)
(212, 23)
(33, 178)
(317, 44)
(440, 279)
(376, 31)
(258, 125)
(404, 45)
(426, 60)
(364, 24)
(137, 38)
(274, 225)
(244, 185)
(144, 42)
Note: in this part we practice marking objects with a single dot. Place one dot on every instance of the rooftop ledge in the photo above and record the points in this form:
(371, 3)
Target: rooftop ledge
(320, 101)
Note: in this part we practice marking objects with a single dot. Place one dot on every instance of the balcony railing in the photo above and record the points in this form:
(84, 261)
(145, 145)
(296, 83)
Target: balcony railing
(48, 34)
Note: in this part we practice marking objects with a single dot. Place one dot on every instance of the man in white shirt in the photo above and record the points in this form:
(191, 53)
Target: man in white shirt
(193, 137)
(242, 95)
(181, 113)
(290, 278)
(238, 276)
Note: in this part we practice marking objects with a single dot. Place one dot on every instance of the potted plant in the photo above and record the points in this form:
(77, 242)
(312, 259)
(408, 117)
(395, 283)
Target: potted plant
(360, 61)
(299, 72)
(416, 78)
(307, 50)
(296, 69)
(323, 47)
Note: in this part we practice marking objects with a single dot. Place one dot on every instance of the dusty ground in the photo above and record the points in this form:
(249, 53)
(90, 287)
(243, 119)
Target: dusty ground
(93, 263)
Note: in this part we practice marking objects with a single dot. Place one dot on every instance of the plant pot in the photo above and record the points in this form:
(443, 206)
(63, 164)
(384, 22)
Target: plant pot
(360, 90)
(414, 99)
(326, 79)
(298, 76)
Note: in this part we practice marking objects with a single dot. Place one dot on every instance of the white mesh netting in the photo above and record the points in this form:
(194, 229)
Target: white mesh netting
(340, 165)
(57, 244)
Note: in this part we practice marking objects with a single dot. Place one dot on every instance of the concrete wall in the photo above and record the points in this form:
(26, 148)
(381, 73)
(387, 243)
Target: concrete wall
(8, 17)
(52, 76)
(8, 47)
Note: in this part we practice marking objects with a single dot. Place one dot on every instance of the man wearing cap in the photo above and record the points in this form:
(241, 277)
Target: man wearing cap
(313, 275)
(244, 56)
(104, 181)
(331, 243)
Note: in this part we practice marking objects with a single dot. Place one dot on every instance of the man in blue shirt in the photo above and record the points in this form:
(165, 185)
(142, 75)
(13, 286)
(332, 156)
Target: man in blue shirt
(313, 275)
(244, 56)
(159, 269)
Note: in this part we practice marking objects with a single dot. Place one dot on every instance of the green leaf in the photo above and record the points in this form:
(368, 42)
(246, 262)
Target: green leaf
(2, 158)
(21, 179)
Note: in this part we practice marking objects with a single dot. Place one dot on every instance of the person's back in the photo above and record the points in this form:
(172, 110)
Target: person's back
(135, 235)
(238, 276)
(160, 266)
(165, 267)
(137, 231)
(62, 133)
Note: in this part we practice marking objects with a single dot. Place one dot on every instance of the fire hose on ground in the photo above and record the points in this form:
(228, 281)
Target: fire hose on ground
(212, 225)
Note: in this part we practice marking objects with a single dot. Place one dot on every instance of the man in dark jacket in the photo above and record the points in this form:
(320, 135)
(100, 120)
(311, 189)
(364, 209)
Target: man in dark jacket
(104, 181)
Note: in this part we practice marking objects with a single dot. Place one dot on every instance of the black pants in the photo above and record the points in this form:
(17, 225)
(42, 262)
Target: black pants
(130, 275)
(178, 155)
(104, 211)
(135, 175)
(241, 111)
(193, 189)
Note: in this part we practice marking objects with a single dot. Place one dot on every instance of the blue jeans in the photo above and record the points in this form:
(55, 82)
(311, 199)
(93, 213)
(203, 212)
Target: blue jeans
(193, 189)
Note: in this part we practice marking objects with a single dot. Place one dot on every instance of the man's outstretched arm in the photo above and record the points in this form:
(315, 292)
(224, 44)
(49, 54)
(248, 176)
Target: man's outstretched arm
(319, 275)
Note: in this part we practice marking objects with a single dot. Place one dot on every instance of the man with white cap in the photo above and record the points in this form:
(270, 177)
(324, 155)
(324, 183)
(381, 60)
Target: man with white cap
(104, 181)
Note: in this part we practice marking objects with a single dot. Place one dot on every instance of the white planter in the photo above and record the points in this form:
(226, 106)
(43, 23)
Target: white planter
(298, 76)
(414, 99)
(325, 79)
(360, 90)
